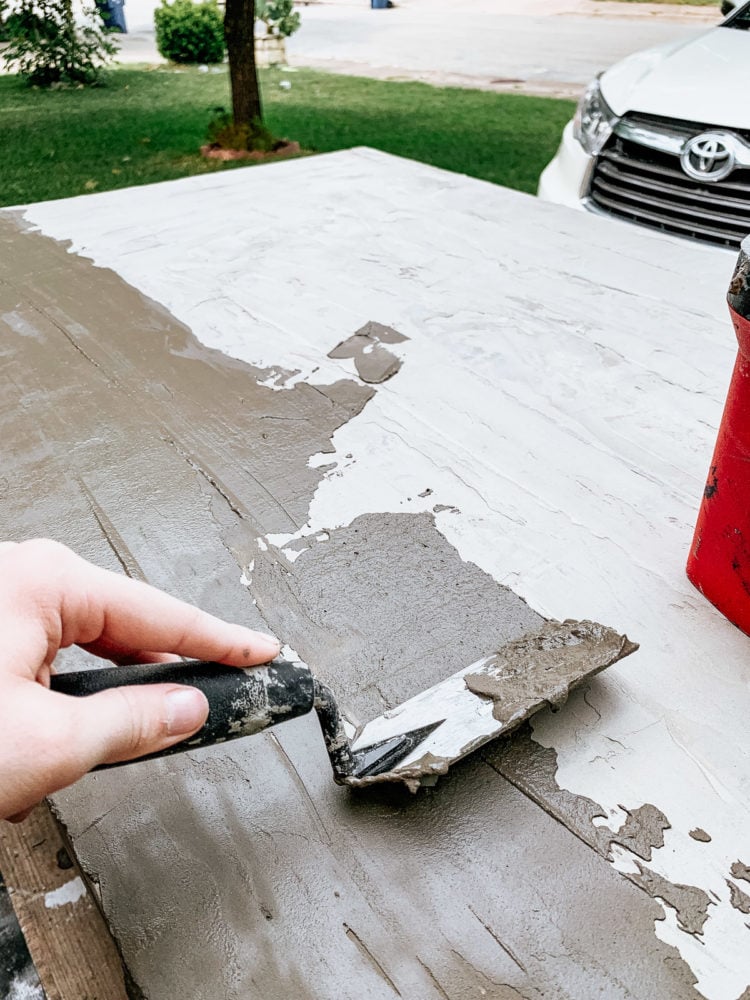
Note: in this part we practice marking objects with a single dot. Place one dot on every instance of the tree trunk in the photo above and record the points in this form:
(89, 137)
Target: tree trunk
(239, 32)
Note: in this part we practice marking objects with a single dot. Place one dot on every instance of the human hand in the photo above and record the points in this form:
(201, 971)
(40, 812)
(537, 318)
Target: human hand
(50, 598)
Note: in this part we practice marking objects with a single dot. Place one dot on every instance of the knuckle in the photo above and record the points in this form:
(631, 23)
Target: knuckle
(44, 551)
(58, 760)
(38, 564)
(140, 729)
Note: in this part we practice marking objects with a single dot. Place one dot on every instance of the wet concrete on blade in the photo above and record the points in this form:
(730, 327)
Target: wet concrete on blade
(243, 871)
(545, 666)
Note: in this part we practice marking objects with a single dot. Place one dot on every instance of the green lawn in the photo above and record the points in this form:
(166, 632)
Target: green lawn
(147, 125)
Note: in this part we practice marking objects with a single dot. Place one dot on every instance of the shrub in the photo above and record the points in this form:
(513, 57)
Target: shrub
(7, 19)
(188, 32)
(48, 48)
(279, 17)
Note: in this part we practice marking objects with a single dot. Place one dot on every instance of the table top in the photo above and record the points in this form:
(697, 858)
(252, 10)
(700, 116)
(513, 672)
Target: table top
(538, 446)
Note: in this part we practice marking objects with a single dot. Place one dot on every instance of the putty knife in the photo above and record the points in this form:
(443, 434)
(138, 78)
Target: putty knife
(413, 743)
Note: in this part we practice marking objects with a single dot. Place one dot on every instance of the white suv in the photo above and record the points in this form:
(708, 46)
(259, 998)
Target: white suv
(663, 139)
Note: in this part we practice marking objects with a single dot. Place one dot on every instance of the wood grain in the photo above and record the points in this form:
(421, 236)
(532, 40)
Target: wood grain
(70, 944)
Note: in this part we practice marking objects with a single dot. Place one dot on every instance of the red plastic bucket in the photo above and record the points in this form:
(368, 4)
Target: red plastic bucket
(719, 561)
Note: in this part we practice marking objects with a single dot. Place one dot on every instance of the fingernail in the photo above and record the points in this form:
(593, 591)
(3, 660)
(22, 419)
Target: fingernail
(267, 644)
(185, 710)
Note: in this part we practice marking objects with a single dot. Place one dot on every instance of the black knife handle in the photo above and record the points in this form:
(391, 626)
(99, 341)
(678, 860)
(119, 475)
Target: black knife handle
(241, 701)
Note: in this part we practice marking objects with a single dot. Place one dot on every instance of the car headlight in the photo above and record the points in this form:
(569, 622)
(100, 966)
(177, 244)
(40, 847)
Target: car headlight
(594, 120)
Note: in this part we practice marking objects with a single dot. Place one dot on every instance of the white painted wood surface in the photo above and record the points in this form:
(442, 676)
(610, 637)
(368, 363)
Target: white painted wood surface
(561, 387)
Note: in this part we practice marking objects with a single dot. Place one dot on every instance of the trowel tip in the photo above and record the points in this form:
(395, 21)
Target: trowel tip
(388, 754)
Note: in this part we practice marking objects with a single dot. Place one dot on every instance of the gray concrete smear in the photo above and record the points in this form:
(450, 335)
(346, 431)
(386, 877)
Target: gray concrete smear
(447, 630)
(700, 835)
(375, 646)
(374, 363)
(689, 902)
(234, 872)
(740, 900)
(642, 831)
(545, 666)
(740, 870)
(532, 769)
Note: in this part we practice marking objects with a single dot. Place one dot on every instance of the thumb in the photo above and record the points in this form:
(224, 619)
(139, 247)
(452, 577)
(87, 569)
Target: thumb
(129, 722)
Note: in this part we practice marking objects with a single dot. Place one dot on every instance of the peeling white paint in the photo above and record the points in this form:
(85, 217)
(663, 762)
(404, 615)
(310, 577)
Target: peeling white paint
(70, 892)
(561, 386)
(25, 986)
(246, 577)
(614, 819)
(281, 540)
(708, 954)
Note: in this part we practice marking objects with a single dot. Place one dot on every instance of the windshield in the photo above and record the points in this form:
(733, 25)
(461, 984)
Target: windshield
(740, 19)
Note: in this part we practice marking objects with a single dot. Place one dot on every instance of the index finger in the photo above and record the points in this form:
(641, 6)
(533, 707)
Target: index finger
(78, 602)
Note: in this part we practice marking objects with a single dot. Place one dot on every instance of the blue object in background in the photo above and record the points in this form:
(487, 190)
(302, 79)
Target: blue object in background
(379, 4)
(113, 14)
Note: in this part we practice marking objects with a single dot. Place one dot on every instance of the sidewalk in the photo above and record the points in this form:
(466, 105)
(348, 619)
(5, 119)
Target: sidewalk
(139, 48)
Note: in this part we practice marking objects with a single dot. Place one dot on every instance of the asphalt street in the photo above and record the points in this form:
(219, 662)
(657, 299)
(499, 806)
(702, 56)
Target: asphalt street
(552, 45)
(491, 45)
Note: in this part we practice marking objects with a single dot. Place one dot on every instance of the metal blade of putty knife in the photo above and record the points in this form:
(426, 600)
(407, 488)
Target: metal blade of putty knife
(485, 700)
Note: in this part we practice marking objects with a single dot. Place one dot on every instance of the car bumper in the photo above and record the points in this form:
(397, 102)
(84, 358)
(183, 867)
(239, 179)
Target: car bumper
(565, 179)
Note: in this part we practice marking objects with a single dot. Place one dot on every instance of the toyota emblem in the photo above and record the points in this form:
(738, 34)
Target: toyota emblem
(708, 157)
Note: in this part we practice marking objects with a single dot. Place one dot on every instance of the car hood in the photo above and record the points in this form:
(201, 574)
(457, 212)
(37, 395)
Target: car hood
(704, 80)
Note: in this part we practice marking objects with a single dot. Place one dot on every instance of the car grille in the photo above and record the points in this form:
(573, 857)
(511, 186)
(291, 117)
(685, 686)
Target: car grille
(648, 186)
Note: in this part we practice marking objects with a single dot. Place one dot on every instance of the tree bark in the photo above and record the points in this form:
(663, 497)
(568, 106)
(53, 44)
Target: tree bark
(239, 33)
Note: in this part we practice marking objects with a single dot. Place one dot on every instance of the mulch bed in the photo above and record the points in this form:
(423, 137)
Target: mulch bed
(214, 152)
